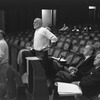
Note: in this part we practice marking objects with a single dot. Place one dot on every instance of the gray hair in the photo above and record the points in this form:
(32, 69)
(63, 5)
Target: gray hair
(39, 20)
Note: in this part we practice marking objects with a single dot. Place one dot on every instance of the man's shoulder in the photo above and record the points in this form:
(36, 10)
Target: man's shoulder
(92, 57)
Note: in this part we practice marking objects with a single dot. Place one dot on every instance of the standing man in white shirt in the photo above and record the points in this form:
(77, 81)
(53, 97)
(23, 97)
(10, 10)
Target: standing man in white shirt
(42, 41)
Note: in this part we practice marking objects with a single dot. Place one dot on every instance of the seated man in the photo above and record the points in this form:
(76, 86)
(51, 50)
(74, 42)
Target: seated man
(76, 73)
(64, 28)
(89, 84)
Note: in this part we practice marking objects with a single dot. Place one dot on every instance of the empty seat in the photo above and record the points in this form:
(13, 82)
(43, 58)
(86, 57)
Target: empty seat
(62, 38)
(89, 42)
(56, 52)
(59, 44)
(97, 52)
(63, 53)
(96, 44)
(96, 38)
(75, 59)
(74, 41)
(80, 37)
(50, 51)
(22, 43)
(81, 49)
(75, 47)
(68, 35)
(16, 42)
(82, 42)
(85, 33)
(28, 44)
(11, 40)
(86, 37)
(66, 46)
(68, 40)
(69, 57)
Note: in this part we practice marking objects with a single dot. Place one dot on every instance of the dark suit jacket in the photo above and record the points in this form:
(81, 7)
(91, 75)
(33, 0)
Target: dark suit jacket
(83, 70)
(90, 84)
(85, 67)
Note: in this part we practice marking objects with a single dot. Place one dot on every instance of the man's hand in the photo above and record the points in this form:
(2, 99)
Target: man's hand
(72, 69)
(29, 48)
(72, 73)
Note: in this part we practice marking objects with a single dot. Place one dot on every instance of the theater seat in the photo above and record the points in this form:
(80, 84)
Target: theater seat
(68, 40)
(59, 44)
(66, 46)
(89, 42)
(96, 44)
(28, 44)
(81, 49)
(56, 52)
(75, 60)
(16, 41)
(69, 57)
(74, 41)
(82, 42)
(75, 47)
(22, 43)
(11, 40)
(50, 51)
(62, 38)
(63, 53)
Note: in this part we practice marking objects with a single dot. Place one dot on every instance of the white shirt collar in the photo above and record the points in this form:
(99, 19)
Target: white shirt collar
(87, 57)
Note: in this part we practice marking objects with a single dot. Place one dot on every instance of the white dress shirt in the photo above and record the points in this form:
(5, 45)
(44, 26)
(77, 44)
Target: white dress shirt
(42, 38)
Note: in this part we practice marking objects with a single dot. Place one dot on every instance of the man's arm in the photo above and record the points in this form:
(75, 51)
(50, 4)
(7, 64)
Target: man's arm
(50, 36)
(1, 55)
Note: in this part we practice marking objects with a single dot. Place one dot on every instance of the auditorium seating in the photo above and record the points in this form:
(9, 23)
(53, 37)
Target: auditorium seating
(78, 40)
(67, 45)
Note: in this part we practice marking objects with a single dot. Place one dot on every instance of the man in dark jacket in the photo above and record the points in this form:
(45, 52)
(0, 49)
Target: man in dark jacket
(76, 73)
(90, 84)
(81, 70)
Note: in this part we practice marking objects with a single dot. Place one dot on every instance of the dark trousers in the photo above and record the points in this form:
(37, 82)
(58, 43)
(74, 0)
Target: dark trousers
(40, 54)
(49, 65)
(63, 76)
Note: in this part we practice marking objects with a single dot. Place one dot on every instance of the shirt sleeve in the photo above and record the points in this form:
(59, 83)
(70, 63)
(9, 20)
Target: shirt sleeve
(50, 35)
(1, 55)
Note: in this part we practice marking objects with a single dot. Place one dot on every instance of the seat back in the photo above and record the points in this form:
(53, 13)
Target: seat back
(39, 82)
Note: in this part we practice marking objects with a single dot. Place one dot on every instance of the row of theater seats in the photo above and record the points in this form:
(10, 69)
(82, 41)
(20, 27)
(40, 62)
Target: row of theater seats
(71, 45)
(37, 83)
(21, 39)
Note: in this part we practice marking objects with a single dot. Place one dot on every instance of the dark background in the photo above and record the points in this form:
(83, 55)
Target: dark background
(19, 14)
